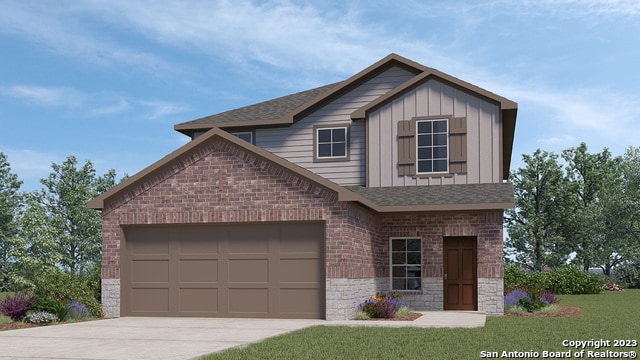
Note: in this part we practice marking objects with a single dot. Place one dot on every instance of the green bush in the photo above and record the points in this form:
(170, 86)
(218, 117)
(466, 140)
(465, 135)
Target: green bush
(562, 280)
(66, 287)
(628, 274)
(572, 280)
(51, 305)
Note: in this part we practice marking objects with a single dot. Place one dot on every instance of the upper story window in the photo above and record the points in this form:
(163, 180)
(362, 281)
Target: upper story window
(244, 135)
(432, 146)
(331, 143)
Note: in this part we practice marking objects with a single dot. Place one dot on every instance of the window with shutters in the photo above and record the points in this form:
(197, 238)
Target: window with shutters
(433, 145)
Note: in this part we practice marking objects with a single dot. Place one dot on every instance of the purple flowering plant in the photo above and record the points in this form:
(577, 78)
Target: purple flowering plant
(382, 305)
(77, 310)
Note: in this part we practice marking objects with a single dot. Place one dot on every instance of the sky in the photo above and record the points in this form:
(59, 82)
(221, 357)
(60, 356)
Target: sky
(106, 81)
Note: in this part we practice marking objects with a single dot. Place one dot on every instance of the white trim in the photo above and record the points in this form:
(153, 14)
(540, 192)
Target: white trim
(238, 133)
(346, 142)
(417, 146)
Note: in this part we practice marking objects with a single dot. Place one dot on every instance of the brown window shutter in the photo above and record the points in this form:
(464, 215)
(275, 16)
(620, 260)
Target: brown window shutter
(458, 145)
(406, 147)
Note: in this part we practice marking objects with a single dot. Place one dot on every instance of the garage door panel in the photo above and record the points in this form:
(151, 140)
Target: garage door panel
(205, 270)
(226, 270)
(199, 300)
(155, 243)
(300, 301)
(150, 300)
(300, 270)
(150, 271)
(248, 301)
(249, 271)
(241, 243)
(299, 238)
(199, 245)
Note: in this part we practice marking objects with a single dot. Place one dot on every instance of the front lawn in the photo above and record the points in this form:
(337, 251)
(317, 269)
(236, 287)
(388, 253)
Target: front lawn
(609, 316)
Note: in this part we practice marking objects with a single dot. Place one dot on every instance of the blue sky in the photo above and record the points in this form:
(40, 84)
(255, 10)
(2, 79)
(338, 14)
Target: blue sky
(106, 80)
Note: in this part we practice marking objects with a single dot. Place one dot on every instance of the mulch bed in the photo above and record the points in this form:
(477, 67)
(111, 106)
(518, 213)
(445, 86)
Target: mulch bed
(409, 317)
(16, 325)
(563, 312)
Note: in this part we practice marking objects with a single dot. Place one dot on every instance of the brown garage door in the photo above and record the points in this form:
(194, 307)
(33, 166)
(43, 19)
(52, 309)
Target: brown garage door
(240, 270)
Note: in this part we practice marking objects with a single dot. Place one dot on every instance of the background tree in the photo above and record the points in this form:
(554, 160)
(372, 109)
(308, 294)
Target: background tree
(75, 228)
(535, 225)
(595, 185)
(10, 203)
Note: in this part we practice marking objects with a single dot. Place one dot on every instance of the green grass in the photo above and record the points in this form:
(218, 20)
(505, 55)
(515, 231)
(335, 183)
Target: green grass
(4, 319)
(609, 316)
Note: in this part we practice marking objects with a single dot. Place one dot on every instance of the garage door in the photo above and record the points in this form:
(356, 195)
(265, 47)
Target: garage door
(240, 270)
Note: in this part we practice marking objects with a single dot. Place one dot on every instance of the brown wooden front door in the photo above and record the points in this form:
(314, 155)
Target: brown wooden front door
(460, 276)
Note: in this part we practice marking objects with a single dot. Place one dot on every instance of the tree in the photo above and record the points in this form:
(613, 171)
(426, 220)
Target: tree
(10, 203)
(596, 181)
(57, 226)
(535, 225)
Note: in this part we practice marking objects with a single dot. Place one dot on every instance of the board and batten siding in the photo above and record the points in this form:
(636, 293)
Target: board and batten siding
(434, 98)
(295, 143)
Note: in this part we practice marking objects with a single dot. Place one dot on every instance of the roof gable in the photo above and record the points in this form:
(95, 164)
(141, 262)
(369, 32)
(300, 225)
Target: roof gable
(287, 109)
(375, 199)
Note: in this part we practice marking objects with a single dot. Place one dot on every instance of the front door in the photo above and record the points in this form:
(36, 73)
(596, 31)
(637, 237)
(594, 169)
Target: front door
(460, 277)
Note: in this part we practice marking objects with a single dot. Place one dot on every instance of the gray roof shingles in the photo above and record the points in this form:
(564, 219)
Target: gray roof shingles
(266, 110)
(498, 193)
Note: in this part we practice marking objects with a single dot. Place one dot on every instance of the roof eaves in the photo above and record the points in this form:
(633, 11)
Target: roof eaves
(343, 193)
(504, 103)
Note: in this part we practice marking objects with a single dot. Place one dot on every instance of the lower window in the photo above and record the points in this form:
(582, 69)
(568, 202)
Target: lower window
(406, 264)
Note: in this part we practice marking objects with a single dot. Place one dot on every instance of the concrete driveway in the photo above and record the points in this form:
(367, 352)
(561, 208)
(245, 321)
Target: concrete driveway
(141, 338)
(179, 338)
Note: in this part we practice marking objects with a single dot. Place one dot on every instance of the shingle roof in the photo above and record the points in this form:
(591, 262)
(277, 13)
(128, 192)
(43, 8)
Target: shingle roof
(476, 194)
(264, 111)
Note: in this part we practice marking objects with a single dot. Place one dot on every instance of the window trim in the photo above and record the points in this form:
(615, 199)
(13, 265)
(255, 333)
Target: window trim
(391, 287)
(407, 147)
(346, 157)
(236, 133)
(432, 120)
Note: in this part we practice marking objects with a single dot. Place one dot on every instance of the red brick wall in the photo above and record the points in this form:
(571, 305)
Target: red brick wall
(433, 227)
(221, 182)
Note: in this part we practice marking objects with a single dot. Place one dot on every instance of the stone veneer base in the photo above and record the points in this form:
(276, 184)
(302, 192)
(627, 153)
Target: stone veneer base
(344, 296)
(111, 297)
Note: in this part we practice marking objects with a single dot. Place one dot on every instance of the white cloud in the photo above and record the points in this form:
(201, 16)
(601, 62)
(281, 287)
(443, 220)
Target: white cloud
(45, 96)
(69, 29)
(158, 109)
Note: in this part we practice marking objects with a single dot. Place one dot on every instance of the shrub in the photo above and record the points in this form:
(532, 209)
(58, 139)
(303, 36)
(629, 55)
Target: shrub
(514, 296)
(611, 286)
(77, 311)
(531, 300)
(16, 306)
(629, 274)
(382, 305)
(515, 309)
(562, 280)
(572, 280)
(549, 298)
(41, 317)
(514, 277)
(51, 305)
(66, 287)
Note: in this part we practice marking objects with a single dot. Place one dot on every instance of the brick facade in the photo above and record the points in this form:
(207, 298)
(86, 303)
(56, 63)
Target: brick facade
(221, 182)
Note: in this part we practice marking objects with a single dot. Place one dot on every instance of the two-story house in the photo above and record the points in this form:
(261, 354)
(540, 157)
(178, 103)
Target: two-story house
(305, 205)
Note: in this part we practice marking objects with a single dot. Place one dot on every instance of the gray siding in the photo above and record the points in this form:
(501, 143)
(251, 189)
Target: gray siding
(434, 98)
(295, 143)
